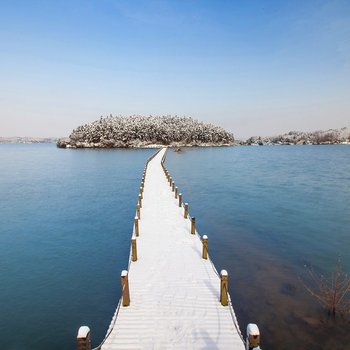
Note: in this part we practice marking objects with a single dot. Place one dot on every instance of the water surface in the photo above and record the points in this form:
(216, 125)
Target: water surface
(66, 219)
(271, 213)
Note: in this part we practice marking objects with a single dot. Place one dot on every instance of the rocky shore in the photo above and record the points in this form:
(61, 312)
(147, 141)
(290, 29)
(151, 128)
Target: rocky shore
(146, 131)
(328, 137)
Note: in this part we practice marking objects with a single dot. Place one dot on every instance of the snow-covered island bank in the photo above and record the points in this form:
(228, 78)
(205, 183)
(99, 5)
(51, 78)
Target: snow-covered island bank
(327, 137)
(146, 131)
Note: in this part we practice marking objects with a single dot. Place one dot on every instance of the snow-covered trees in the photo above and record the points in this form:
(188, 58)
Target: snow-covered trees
(297, 137)
(141, 131)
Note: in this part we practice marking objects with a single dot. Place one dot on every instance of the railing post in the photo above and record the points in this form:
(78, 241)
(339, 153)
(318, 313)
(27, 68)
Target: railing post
(253, 337)
(138, 211)
(176, 191)
(173, 187)
(137, 226)
(125, 288)
(205, 247)
(83, 338)
(224, 288)
(193, 226)
(170, 181)
(140, 201)
(186, 211)
(133, 249)
(141, 192)
(180, 199)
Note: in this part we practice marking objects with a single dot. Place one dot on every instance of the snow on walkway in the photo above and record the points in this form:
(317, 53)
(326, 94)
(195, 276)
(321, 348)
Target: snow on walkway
(174, 293)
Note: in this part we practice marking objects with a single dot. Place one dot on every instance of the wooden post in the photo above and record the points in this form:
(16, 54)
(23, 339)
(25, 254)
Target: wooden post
(170, 181)
(224, 288)
(125, 288)
(136, 226)
(205, 247)
(173, 187)
(176, 191)
(193, 226)
(186, 211)
(83, 338)
(133, 249)
(253, 336)
(180, 199)
(141, 192)
(140, 201)
(138, 211)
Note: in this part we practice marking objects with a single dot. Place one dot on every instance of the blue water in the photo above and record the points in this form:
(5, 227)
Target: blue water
(270, 213)
(66, 220)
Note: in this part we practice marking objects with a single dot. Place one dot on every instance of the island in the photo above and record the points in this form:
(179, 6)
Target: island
(146, 131)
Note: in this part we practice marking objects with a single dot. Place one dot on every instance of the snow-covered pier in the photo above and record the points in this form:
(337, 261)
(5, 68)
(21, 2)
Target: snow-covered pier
(172, 295)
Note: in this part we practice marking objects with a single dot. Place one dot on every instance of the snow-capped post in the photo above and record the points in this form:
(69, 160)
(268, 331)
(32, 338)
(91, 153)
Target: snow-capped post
(133, 249)
(193, 226)
(205, 247)
(125, 288)
(176, 191)
(141, 192)
(83, 338)
(173, 187)
(138, 211)
(224, 287)
(186, 211)
(180, 199)
(140, 201)
(253, 337)
(170, 181)
(136, 226)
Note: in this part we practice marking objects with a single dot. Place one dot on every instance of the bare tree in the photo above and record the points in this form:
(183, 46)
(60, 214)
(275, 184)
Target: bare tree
(332, 293)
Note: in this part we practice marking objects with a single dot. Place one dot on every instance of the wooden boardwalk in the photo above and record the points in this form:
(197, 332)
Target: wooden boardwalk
(174, 292)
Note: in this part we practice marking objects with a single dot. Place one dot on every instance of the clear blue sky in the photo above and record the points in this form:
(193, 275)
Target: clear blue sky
(254, 67)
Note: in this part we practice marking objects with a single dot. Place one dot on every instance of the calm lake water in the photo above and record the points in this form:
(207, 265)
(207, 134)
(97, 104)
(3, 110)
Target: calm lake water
(270, 213)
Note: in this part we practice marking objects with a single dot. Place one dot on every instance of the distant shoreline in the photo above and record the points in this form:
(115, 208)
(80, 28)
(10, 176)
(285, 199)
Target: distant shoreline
(27, 140)
(328, 137)
(31, 141)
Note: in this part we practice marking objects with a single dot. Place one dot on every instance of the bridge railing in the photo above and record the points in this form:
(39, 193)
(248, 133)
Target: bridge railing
(225, 298)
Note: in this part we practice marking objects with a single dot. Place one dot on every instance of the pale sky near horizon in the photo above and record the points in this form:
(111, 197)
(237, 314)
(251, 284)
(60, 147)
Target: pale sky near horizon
(253, 67)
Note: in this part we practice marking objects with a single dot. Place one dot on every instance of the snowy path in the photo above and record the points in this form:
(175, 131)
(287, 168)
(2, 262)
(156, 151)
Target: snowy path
(174, 293)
